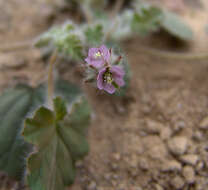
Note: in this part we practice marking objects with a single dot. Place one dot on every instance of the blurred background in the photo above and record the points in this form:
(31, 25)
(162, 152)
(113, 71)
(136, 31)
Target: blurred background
(153, 139)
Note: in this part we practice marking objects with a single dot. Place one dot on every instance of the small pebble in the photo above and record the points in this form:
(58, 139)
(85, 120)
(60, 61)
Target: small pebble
(177, 182)
(198, 136)
(204, 123)
(143, 164)
(179, 125)
(165, 133)
(116, 156)
(153, 126)
(173, 166)
(191, 159)
(178, 145)
(92, 186)
(158, 187)
(114, 166)
(189, 174)
(199, 166)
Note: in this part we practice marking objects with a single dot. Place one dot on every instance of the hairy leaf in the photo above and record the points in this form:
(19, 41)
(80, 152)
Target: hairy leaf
(175, 26)
(65, 39)
(59, 144)
(123, 90)
(15, 104)
(68, 91)
(94, 35)
(122, 26)
(59, 108)
(147, 19)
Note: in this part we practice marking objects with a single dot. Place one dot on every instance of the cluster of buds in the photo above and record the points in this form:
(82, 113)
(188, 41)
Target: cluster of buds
(109, 75)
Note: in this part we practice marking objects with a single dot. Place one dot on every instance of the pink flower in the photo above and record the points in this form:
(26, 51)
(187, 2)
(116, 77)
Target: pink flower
(110, 78)
(97, 57)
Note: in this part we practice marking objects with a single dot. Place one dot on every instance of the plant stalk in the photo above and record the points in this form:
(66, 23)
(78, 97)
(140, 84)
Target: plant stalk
(117, 8)
(51, 77)
(87, 13)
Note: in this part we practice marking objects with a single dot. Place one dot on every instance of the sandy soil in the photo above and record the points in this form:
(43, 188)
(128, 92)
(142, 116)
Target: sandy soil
(153, 139)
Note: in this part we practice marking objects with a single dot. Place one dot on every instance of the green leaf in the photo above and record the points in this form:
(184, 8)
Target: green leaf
(68, 91)
(175, 26)
(59, 143)
(59, 108)
(123, 26)
(98, 4)
(63, 38)
(123, 90)
(79, 117)
(94, 35)
(46, 38)
(15, 104)
(147, 19)
(70, 45)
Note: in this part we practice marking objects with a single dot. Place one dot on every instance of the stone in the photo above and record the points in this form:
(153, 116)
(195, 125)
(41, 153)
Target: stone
(165, 133)
(190, 159)
(114, 166)
(158, 187)
(143, 164)
(177, 182)
(178, 145)
(201, 183)
(158, 152)
(198, 136)
(204, 123)
(189, 174)
(133, 161)
(92, 186)
(179, 125)
(157, 149)
(153, 126)
(172, 166)
(199, 166)
(116, 156)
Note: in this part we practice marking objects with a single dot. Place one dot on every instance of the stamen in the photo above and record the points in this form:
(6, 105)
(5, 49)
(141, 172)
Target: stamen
(108, 77)
(98, 54)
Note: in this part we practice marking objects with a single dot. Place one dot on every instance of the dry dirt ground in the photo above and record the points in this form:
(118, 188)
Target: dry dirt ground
(153, 139)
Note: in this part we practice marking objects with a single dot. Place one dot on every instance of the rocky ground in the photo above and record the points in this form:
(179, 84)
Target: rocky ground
(153, 139)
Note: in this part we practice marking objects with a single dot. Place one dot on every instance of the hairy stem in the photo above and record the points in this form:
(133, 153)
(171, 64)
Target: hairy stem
(117, 8)
(112, 29)
(87, 13)
(51, 77)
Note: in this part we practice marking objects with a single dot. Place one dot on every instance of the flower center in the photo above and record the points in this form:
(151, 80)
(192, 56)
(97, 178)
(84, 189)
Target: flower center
(98, 55)
(108, 77)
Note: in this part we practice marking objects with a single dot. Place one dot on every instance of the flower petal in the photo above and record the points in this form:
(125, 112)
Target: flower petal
(119, 81)
(92, 52)
(88, 60)
(106, 53)
(98, 63)
(117, 71)
(100, 82)
(109, 88)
